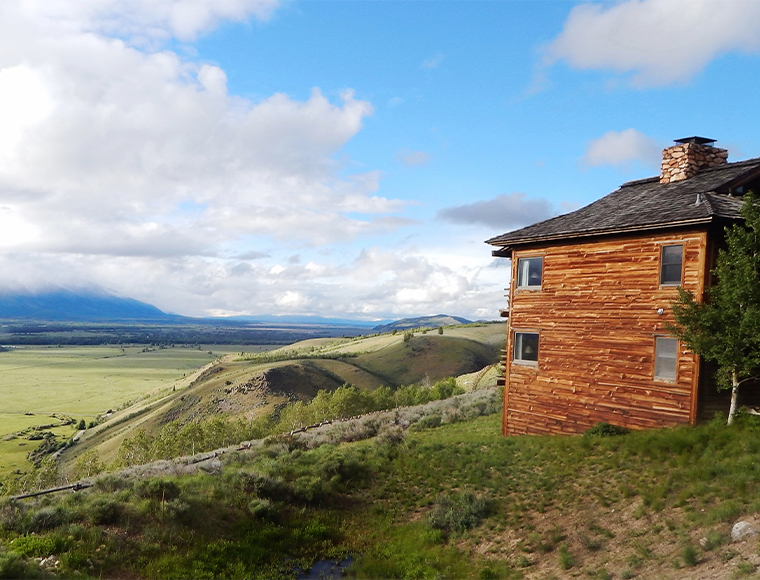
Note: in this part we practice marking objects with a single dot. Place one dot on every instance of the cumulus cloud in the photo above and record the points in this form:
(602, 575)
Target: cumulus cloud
(504, 211)
(105, 146)
(621, 148)
(128, 167)
(658, 42)
(145, 20)
(412, 158)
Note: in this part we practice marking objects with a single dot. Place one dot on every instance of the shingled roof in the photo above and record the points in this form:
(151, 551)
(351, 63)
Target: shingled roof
(646, 204)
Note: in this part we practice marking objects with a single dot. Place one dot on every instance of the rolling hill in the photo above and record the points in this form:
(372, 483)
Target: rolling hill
(253, 385)
(422, 322)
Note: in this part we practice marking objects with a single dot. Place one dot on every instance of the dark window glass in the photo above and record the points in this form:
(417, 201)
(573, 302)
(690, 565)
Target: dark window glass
(529, 272)
(671, 263)
(666, 359)
(526, 346)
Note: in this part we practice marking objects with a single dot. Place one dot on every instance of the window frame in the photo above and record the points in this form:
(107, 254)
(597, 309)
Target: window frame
(520, 286)
(658, 356)
(663, 264)
(517, 357)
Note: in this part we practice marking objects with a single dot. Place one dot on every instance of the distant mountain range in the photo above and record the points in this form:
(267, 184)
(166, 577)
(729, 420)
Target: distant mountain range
(287, 319)
(75, 306)
(66, 305)
(422, 322)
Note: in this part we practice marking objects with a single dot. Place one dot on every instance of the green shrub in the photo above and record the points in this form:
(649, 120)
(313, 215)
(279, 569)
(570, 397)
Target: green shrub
(160, 489)
(261, 508)
(13, 566)
(602, 429)
(690, 555)
(48, 518)
(566, 559)
(104, 510)
(428, 422)
(11, 514)
(112, 483)
(309, 489)
(40, 546)
(457, 512)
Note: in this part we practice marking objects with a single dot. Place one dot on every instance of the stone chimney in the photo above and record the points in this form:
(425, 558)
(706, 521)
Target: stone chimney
(688, 157)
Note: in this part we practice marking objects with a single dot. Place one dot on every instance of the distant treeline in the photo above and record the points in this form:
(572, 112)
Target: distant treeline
(91, 335)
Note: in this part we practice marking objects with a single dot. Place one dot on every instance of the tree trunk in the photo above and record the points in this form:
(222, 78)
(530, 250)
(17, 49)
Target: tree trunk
(734, 396)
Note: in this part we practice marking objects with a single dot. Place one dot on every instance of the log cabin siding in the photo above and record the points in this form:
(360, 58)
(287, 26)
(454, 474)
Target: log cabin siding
(597, 318)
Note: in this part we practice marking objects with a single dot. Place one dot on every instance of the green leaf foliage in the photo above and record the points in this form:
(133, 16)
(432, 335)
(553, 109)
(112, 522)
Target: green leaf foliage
(725, 327)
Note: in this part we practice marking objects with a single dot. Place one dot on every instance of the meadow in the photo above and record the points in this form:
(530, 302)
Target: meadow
(83, 382)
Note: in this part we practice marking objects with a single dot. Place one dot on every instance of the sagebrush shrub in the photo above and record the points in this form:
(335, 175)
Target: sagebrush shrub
(104, 510)
(48, 518)
(160, 489)
(457, 512)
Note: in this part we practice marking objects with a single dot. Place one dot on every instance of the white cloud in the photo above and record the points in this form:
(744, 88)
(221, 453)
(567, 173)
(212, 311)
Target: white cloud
(127, 167)
(144, 20)
(622, 148)
(104, 146)
(659, 42)
(24, 102)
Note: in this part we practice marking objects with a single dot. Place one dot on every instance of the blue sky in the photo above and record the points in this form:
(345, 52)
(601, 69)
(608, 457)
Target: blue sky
(340, 158)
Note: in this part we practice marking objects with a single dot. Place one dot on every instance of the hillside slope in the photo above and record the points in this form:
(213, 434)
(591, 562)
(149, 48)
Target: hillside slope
(256, 385)
(419, 492)
(422, 322)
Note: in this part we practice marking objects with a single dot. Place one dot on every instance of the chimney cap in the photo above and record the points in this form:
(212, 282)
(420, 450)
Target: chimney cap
(696, 140)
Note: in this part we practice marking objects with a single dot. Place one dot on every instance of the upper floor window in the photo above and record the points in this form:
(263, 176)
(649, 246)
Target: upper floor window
(665, 359)
(529, 272)
(671, 264)
(525, 349)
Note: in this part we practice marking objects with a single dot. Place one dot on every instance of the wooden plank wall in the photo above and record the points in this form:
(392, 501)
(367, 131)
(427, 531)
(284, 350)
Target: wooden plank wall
(597, 317)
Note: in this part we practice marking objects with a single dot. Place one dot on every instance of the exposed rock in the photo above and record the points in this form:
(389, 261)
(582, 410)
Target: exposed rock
(743, 530)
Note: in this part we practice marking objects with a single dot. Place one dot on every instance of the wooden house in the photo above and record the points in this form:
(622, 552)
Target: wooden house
(590, 295)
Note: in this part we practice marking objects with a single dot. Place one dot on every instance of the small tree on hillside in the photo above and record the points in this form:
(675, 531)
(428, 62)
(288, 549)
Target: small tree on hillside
(725, 327)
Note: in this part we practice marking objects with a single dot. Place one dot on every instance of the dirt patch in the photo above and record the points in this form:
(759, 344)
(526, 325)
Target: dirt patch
(618, 542)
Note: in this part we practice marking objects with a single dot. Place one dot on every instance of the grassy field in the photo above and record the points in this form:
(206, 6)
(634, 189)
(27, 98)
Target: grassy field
(82, 382)
(407, 496)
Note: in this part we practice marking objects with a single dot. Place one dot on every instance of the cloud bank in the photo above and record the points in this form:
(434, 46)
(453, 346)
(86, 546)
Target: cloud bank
(656, 42)
(126, 166)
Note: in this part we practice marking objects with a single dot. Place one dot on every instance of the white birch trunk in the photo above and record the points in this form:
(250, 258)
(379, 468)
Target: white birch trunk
(734, 397)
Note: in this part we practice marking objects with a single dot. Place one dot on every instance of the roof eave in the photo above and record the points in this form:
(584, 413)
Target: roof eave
(505, 250)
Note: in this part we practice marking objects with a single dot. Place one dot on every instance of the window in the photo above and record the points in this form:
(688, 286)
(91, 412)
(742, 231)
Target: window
(525, 347)
(529, 272)
(665, 359)
(671, 261)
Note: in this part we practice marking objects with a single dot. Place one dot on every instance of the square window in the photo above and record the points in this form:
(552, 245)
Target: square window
(671, 264)
(665, 359)
(529, 272)
(525, 347)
